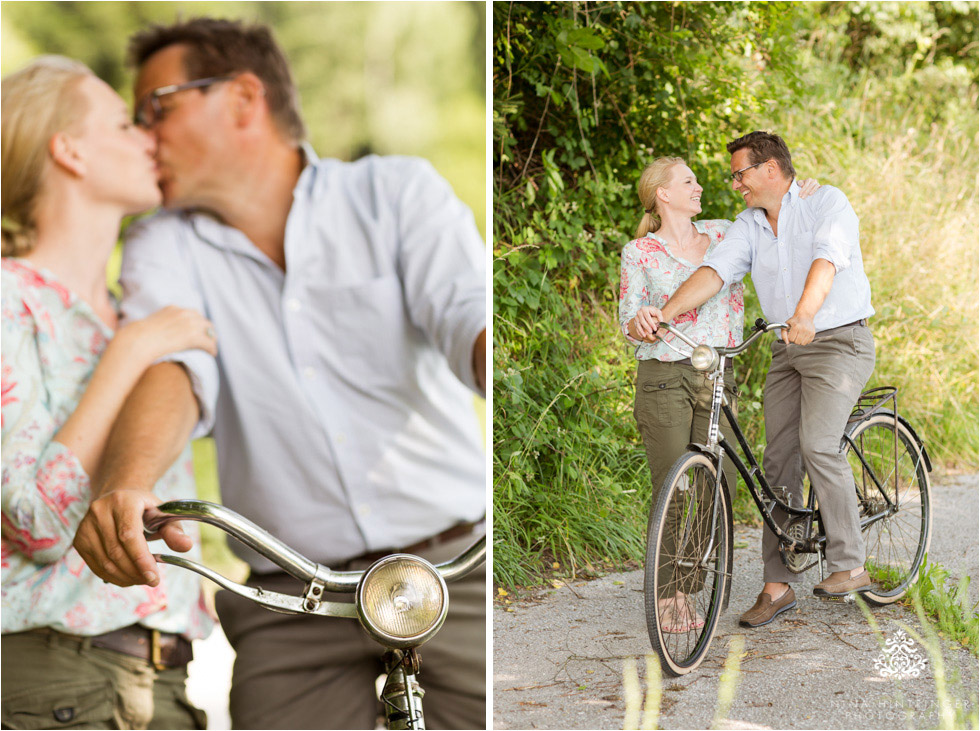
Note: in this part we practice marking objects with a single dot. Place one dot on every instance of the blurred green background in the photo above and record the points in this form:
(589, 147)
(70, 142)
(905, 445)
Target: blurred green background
(403, 78)
(389, 77)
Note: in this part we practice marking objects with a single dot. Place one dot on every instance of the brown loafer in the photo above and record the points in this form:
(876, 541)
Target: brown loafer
(765, 609)
(842, 588)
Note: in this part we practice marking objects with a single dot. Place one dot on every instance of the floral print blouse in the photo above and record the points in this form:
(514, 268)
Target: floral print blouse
(651, 274)
(51, 343)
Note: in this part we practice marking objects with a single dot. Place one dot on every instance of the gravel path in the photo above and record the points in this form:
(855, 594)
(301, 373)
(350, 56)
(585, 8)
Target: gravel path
(558, 656)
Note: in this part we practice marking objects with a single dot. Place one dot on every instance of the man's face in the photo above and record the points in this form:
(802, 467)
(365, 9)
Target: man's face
(191, 131)
(753, 181)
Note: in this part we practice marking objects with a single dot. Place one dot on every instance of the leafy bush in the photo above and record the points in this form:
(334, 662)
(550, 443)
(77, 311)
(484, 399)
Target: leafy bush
(584, 96)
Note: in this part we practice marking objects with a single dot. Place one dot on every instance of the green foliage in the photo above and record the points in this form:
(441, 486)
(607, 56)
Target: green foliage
(947, 605)
(385, 77)
(585, 94)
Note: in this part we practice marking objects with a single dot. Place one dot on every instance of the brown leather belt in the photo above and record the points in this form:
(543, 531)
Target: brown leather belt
(457, 531)
(862, 322)
(160, 649)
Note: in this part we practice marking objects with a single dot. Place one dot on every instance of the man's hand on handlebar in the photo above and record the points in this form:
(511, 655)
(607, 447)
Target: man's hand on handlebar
(646, 322)
(110, 538)
(801, 330)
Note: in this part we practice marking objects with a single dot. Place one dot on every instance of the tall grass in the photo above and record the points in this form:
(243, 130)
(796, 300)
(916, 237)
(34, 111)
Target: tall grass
(904, 150)
(913, 181)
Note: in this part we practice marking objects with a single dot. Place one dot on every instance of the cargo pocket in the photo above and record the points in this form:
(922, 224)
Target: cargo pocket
(180, 712)
(85, 704)
(663, 400)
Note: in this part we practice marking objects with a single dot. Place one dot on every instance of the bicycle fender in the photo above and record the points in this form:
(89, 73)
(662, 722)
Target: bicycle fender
(915, 435)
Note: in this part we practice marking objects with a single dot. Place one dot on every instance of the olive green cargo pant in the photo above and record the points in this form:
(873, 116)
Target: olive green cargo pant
(672, 409)
(52, 680)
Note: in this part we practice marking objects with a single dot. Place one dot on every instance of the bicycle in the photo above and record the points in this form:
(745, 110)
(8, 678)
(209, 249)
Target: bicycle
(688, 567)
(400, 600)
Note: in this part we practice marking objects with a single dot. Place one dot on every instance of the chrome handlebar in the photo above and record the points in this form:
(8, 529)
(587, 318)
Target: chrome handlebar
(319, 578)
(761, 326)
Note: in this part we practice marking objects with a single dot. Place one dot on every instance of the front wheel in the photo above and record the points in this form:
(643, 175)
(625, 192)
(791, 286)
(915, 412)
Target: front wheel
(892, 484)
(688, 563)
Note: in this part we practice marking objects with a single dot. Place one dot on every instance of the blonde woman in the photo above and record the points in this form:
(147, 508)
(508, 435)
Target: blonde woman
(77, 651)
(673, 401)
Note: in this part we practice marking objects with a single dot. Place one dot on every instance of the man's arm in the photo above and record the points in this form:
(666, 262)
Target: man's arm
(819, 280)
(442, 263)
(694, 292)
(480, 360)
(147, 437)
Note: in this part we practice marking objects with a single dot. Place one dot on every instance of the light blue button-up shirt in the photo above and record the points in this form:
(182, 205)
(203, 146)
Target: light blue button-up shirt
(341, 400)
(823, 226)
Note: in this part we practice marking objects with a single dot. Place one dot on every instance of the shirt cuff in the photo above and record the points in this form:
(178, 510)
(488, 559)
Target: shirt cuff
(827, 252)
(202, 371)
(624, 328)
(471, 324)
(721, 270)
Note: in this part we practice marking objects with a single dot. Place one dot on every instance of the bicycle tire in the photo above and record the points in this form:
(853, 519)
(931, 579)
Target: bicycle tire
(678, 530)
(896, 545)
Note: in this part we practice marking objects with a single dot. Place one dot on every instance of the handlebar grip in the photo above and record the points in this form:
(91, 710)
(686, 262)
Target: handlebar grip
(259, 540)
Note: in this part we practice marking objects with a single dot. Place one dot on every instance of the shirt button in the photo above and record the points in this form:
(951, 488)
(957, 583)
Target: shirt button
(341, 438)
(293, 305)
(364, 510)
(309, 373)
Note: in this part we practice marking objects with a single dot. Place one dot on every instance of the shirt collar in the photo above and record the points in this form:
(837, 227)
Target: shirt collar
(216, 233)
(793, 194)
(790, 198)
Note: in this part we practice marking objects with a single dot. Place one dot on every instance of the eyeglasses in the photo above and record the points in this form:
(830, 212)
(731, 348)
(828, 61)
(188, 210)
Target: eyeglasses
(149, 111)
(737, 175)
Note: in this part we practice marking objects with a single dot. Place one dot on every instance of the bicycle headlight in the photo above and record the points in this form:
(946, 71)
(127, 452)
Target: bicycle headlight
(704, 358)
(402, 601)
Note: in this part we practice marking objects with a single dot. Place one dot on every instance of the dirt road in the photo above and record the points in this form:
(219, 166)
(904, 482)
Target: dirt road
(558, 655)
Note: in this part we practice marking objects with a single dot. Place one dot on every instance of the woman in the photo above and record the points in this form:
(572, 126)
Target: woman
(77, 651)
(673, 401)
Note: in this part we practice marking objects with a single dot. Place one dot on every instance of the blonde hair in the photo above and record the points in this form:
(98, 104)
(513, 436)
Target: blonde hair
(655, 175)
(38, 101)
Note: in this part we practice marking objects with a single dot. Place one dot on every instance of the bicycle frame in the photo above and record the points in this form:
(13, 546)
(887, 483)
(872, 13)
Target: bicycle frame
(402, 695)
(763, 494)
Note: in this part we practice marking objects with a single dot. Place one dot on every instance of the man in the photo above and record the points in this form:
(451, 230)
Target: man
(806, 265)
(348, 300)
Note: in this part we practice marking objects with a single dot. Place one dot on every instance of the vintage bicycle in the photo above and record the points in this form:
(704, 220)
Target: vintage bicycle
(400, 600)
(690, 540)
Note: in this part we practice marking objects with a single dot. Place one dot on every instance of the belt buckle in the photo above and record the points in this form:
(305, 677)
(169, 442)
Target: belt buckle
(155, 655)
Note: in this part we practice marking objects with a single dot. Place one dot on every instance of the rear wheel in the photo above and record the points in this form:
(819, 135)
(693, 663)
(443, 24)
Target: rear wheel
(893, 502)
(688, 563)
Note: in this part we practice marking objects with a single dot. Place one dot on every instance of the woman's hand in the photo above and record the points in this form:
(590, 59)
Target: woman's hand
(646, 321)
(808, 187)
(168, 330)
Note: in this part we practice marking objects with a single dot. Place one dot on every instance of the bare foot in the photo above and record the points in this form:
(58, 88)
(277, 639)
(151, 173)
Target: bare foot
(677, 616)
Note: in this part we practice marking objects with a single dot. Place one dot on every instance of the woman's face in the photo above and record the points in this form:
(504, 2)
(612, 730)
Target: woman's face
(117, 156)
(683, 193)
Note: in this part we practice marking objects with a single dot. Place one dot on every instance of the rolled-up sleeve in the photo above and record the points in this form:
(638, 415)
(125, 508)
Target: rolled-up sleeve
(835, 229)
(732, 259)
(46, 491)
(156, 272)
(630, 291)
(442, 262)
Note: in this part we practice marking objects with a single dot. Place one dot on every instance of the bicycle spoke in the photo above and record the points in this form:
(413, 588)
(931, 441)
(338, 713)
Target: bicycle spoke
(895, 494)
(687, 568)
